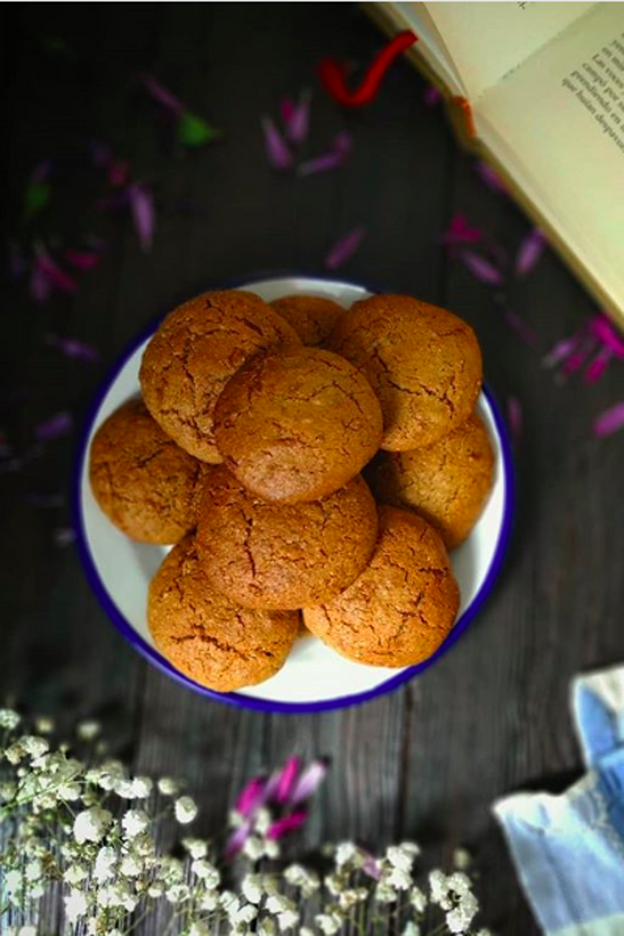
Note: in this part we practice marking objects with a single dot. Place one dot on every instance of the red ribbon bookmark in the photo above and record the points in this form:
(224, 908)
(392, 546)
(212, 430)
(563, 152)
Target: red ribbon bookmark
(333, 73)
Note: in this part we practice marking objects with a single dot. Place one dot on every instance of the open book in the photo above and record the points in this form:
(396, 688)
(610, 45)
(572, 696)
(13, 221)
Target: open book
(540, 89)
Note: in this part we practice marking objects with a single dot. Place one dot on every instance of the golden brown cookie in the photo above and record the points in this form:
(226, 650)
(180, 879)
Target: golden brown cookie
(148, 486)
(447, 482)
(313, 317)
(402, 606)
(267, 555)
(194, 353)
(296, 426)
(205, 635)
(423, 362)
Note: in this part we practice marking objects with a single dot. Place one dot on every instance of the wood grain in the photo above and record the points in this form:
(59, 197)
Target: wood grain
(492, 716)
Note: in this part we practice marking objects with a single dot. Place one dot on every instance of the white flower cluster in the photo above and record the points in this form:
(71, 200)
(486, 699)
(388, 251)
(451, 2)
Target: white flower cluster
(91, 829)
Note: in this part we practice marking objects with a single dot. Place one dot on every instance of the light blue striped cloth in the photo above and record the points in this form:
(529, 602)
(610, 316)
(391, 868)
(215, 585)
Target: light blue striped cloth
(569, 849)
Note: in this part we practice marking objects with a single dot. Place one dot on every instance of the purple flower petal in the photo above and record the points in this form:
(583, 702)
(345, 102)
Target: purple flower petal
(297, 127)
(277, 152)
(561, 350)
(236, 841)
(371, 867)
(250, 796)
(596, 367)
(287, 108)
(345, 248)
(460, 231)
(143, 214)
(610, 420)
(72, 348)
(308, 782)
(484, 270)
(82, 259)
(54, 427)
(287, 780)
(432, 96)
(578, 358)
(604, 331)
(530, 251)
(282, 827)
(57, 276)
(490, 177)
(521, 328)
(335, 158)
(514, 418)
(161, 95)
(64, 536)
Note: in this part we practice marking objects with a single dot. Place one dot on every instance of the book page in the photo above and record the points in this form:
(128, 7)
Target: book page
(557, 126)
(486, 41)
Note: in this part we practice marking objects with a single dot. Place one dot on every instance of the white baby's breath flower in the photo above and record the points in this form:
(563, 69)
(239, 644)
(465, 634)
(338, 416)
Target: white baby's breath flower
(328, 923)
(69, 792)
(252, 888)
(462, 859)
(124, 788)
(306, 931)
(287, 920)
(156, 890)
(209, 901)
(417, 899)
(185, 810)
(263, 820)
(229, 902)
(106, 775)
(198, 929)
(134, 822)
(75, 874)
(267, 927)
(458, 919)
(207, 872)
(271, 849)
(347, 853)
(90, 825)
(15, 753)
(178, 893)
(13, 882)
(351, 897)
(399, 879)
(171, 870)
(105, 861)
(197, 848)
(9, 719)
(33, 870)
(27, 931)
(484, 932)
(235, 819)
(130, 866)
(168, 786)
(253, 848)
(75, 906)
(8, 789)
(298, 876)
(278, 903)
(411, 929)
(143, 786)
(245, 914)
(44, 725)
(385, 894)
(402, 856)
(438, 886)
(88, 730)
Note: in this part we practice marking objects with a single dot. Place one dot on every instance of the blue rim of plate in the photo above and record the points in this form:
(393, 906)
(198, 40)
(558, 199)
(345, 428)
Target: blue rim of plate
(234, 698)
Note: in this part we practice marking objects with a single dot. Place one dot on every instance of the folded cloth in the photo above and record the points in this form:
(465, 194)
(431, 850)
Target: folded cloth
(569, 849)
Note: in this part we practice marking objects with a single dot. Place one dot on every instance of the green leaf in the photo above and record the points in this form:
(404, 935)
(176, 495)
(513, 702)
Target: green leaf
(36, 198)
(195, 131)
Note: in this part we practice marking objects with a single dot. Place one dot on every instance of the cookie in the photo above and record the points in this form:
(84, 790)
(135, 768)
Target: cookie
(423, 362)
(313, 317)
(267, 555)
(194, 353)
(447, 482)
(205, 635)
(402, 606)
(148, 486)
(297, 426)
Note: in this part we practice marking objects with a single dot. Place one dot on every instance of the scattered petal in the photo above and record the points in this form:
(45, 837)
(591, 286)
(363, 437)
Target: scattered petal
(288, 824)
(308, 782)
(160, 94)
(143, 213)
(236, 841)
(530, 251)
(55, 426)
(490, 177)
(335, 158)
(345, 248)
(484, 270)
(298, 124)
(250, 796)
(277, 152)
(195, 131)
(561, 350)
(73, 348)
(64, 536)
(432, 97)
(287, 780)
(82, 259)
(578, 358)
(610, 420)
(57, 276)
(460, 231)
(332, 73)
(287, 109)
(604, 331)
(597, 366)
(514, 418)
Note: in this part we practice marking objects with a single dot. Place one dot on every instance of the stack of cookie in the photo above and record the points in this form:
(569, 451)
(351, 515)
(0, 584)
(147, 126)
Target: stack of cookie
(246, 453)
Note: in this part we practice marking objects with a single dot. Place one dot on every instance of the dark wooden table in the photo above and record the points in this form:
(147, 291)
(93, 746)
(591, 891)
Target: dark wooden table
(492, 716)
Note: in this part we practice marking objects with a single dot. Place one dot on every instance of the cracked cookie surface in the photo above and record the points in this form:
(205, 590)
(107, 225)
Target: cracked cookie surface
(423, 362)
(268, 555)
(447, 482)
(298, 425)
(313, 317)
(402, 606)
(146, 484)
(208, 637)
(195, 351)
